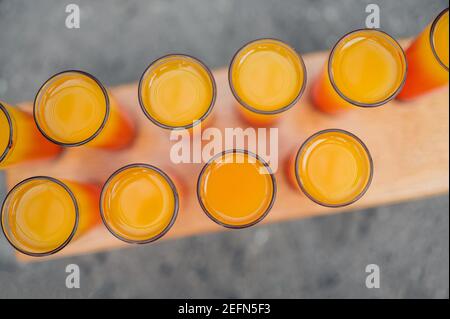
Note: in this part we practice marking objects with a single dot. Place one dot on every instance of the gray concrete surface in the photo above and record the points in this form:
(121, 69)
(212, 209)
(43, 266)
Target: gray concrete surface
(320, 257)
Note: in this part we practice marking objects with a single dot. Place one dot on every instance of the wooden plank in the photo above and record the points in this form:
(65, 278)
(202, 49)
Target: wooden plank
(409, 143)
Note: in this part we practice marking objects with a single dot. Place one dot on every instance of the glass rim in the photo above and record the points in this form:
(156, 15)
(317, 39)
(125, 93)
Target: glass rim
(8, 147)
(283, 108)
(431, 37)
(389, 97)
(197, 121)
(96, 133)
(175, 210)
(369, 157)
(258, 158)
(75, 226)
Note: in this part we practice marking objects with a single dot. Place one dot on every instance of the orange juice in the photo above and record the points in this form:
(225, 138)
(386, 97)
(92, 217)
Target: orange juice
(73, 108)
(177, 91)
(4, 132)
(236, 189)
(41, 214)
(20, 140)
(428, 59)
(366, 68)
(267, 77)
(333, 168)
(139, 203)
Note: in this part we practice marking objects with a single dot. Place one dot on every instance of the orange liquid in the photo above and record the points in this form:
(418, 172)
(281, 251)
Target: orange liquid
(4, 132)
(39, 215)
(177, 91)
(367, 69)
(27, 142)
(333, 168)
(236, 190)
(139, 204)
(72, 109)
(266, 76)
(426, 70)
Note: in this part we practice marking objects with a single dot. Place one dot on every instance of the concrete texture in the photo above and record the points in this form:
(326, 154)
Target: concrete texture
(320, 257)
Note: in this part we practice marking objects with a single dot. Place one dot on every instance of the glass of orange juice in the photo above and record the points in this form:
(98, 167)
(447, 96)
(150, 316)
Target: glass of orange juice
(428, 59)
(139, 203)
(73, 108)
(236, 189)
(267, 77)
(41, 215)
(333, 168)
(366, 68)
(20, 140)
(177, 91)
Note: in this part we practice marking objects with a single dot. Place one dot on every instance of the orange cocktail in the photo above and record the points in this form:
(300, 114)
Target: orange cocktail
(41, 215)
(236, 189)
(366, 68)
(428, 59)
(177, 92)
(73, 108)
(267, 77)
(20, 139)
(333, 168)
(139, 203)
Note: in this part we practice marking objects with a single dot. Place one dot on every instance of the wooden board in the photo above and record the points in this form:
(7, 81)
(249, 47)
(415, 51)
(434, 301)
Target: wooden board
(409, 143)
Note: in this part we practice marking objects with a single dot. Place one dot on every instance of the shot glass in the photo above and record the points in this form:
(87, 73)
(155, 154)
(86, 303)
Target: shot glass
(267, 77)
(41, 215)
(366, 68)
(20, 140)
(428, 59)
(177, 92)
(73, 108)
(236, 189)
(333, 168)
(139, 203)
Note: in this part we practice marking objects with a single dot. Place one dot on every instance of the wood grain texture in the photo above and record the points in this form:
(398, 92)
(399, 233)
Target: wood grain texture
(409, 143)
